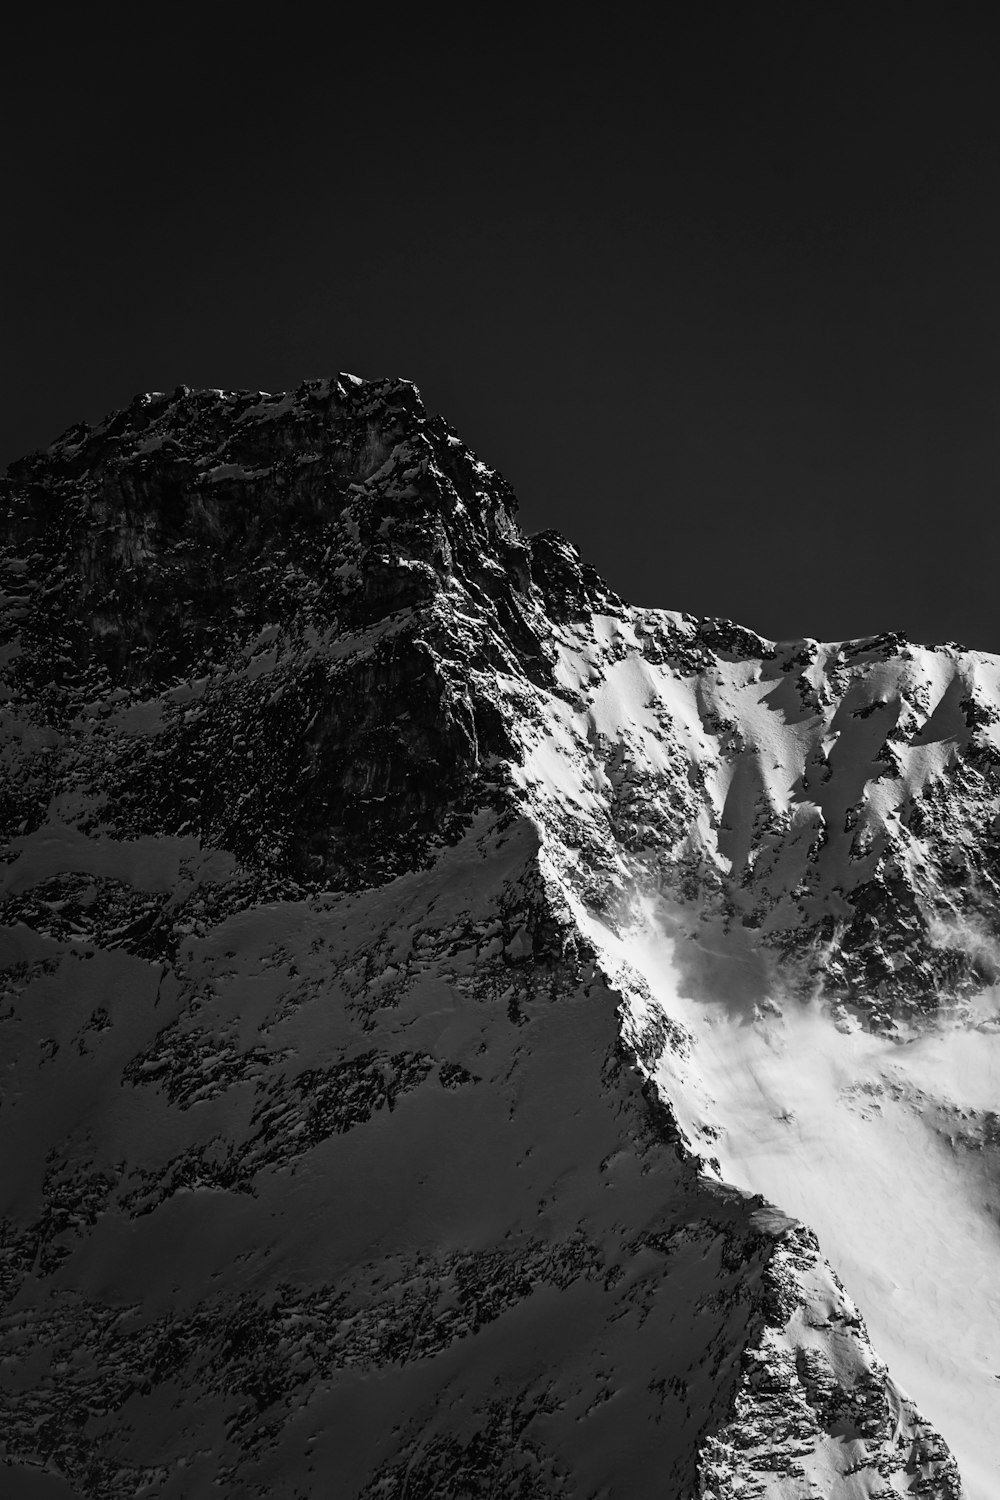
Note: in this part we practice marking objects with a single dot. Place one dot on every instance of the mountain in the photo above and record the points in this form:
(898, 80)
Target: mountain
(466, 1036)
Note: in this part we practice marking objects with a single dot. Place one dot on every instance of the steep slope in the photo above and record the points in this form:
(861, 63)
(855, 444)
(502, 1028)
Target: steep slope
(424, 974)
(798, 901)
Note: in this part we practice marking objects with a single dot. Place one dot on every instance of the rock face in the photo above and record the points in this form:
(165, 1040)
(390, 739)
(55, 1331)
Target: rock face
(438, 996)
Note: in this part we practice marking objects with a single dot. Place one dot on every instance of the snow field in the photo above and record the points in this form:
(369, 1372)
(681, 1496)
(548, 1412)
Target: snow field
(801, 763)
(870, 1141)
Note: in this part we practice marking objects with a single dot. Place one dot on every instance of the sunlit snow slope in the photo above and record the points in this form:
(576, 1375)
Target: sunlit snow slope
(463, 1036)
(786, 857)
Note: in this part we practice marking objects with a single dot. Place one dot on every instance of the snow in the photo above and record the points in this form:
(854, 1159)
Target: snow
(19, 1482)
(542, 1159)
(148, 864)
(841, 1129)
(886, 1145)
(268, 410)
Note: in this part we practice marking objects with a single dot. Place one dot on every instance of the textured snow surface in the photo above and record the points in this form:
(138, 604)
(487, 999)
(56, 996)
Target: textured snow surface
(347, 1148)
(885, 1143)
(876, 1142)
(461, 1035)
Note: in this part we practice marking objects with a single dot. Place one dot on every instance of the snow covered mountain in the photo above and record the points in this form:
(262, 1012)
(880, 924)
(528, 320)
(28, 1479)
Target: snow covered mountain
(464, 1036)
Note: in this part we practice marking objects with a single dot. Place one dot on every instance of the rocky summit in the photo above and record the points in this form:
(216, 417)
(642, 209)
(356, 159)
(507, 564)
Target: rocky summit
(465, 1036)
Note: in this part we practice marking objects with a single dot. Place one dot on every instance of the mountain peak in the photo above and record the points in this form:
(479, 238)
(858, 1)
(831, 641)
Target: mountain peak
(442, 993)
(200, 418)
(185, 517)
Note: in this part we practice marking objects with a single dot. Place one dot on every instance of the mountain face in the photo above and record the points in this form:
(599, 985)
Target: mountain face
(465, 1036)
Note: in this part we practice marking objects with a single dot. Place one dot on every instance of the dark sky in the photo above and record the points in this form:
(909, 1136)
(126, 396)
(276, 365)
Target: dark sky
(722, 302)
